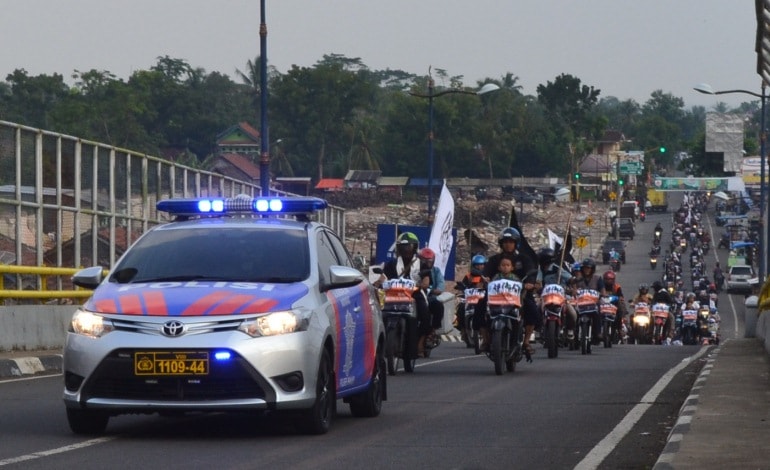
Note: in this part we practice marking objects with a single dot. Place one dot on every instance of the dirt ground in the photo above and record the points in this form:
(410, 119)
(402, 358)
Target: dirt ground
(486, 218)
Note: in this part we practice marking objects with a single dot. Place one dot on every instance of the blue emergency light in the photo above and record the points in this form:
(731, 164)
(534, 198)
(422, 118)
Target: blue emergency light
(255, 205)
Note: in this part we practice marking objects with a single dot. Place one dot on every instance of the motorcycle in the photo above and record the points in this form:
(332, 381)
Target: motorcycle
(642, 216)
(689, 329)
(703, 322)
(608, 309)
(658, 234)
(615, 264)
(400, 316)
(506, 324)
(587, 306)
(471, 299)
(660, 317)
(653, 261)
(554, 301)
(640, 328)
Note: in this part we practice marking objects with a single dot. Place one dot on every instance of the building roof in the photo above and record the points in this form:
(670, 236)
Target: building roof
(392, 180)
(330, 183)
(242, 163)
(363, 175)
(239, 134)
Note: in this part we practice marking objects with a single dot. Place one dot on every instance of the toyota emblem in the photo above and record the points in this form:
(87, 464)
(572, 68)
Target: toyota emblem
(173, 328)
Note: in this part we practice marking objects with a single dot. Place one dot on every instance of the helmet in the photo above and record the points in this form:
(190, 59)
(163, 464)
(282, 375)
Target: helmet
(408, 238)
(657, 285)
(479, 259)
(546, 256)
(609, 276)
(643, 287)
(588, 263)
(576, 267)
(509, 233)
(427, 253)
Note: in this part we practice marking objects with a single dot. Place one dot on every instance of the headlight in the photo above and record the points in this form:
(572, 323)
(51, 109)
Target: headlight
(276, 323)
(90, 324)
(641, 320)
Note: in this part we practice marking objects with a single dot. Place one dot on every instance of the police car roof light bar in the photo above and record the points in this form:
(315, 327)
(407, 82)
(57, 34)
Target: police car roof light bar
(256, 205)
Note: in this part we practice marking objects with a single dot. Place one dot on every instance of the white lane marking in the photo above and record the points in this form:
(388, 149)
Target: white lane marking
(21, 379)
(58, 450)
(597, 455)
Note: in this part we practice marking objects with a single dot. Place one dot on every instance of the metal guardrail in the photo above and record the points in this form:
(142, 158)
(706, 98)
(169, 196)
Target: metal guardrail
(42, 293)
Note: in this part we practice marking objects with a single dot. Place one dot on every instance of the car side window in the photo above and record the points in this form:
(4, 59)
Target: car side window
(326, 257)
(339, 248)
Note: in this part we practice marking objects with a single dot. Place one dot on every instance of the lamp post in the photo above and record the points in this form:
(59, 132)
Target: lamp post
(264, 156)
(764, 226)
(430, 96)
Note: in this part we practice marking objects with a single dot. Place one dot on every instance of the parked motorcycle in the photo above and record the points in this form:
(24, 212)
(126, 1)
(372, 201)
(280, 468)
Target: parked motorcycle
(659, 317)
(554, 302)
(587, 306)
(689, 329)
(400, 316)
(505, 324)
(608, 310)
(640, 328)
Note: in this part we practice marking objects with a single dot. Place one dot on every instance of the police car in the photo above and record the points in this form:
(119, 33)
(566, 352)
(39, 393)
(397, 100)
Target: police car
(233, 306)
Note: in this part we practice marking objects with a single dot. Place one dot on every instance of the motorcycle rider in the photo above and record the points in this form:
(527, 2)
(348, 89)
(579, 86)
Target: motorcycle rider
(550, 273)
(718, 276)
(613, 288)
(473, 279)
(508, 242)
(662, 295)
(437, 285)
(588, 279)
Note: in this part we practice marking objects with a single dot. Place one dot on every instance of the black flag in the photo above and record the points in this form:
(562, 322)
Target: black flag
(523, 247)
(568, 258)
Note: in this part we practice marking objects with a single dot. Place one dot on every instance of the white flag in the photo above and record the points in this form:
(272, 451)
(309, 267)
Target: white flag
(554, 240)
(441, 240)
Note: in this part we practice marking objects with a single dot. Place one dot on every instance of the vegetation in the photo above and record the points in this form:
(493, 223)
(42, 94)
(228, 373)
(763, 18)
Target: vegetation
(339, 115)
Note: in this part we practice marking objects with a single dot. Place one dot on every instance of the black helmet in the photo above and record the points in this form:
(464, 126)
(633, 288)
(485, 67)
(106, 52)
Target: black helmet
(643, 287)
(657, 285)
(588, 263)
(546, 256)
(509, 233)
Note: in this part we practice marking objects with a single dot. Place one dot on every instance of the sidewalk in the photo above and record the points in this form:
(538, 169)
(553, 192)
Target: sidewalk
(725, 422)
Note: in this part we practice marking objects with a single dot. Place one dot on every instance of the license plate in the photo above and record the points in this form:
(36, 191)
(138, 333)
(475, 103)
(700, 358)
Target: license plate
(171, 363)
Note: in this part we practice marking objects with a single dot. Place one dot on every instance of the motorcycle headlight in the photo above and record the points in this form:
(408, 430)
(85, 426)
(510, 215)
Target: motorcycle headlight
(90, 324)
(641, 320)
(276, 323)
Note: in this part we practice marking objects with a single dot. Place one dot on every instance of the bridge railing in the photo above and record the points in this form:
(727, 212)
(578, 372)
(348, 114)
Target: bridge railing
(66, 202)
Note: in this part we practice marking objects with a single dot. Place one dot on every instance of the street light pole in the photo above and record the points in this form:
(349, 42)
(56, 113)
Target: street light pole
(430, 96)
(764, 226)
(264, 157)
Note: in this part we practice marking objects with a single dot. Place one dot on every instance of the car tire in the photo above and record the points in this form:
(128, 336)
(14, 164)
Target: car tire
(368, 403)
(87, 422)
(318, 418)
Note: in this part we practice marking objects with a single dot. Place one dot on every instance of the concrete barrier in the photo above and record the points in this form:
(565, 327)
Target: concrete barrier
(34, 327)
(763, 328)
(750, 316)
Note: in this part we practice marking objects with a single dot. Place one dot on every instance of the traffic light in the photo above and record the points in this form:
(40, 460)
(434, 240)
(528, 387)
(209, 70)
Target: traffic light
(662, 150)
(577, 176)
(620, 182)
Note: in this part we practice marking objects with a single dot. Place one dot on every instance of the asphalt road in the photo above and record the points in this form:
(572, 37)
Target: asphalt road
(612, 409)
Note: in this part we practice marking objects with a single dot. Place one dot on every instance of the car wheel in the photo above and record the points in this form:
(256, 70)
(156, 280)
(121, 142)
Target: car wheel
(368, 403)
(318, 419)
(88, 422)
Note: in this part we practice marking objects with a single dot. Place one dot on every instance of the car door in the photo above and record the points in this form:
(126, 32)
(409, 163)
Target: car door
(352, 315)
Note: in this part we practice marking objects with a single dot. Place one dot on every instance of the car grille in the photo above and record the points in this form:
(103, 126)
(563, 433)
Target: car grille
(235, 379)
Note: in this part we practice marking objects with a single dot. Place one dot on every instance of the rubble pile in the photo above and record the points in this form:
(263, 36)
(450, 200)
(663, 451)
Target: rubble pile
(486, 218)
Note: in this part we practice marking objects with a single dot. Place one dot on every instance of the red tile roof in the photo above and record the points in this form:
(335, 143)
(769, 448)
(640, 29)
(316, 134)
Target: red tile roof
(331, 183)
(243, 163)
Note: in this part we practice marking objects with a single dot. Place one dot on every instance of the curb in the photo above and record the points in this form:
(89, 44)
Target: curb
(30, 366)
(682, 425)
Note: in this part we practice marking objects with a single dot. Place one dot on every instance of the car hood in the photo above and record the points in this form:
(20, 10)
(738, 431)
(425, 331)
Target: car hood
(194, 298)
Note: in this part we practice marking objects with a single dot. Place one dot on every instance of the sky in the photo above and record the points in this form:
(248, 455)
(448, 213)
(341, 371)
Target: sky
(626, 49)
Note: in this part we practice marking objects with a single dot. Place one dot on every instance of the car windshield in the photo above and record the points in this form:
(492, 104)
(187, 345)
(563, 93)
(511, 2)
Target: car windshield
(219, 254)
(741, 270)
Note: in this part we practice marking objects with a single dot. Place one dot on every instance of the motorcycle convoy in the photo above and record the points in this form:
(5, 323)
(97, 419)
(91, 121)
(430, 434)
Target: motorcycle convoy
(657, 317)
